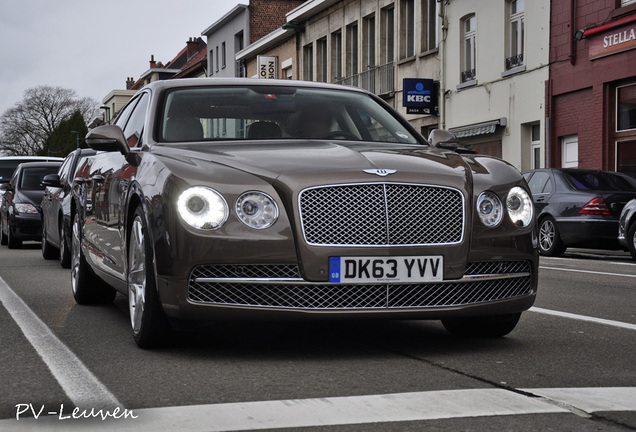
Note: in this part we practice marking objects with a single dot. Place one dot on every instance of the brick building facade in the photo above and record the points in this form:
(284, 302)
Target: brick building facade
(591, 93)
(268, 15)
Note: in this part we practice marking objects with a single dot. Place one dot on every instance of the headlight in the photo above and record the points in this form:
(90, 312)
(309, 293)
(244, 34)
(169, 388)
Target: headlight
(25, 208)
(490, 209)
(520, 207)
(257, 210)
(202, 208)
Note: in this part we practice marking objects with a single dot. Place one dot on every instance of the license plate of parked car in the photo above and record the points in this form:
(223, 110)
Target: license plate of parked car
(386, 269)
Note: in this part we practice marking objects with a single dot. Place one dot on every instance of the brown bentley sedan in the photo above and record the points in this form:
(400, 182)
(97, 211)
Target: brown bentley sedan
(215, 199)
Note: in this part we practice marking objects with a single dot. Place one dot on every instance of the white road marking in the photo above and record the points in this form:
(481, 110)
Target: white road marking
(79, 384)
(588, 271)
(619, 324)
(397, 407)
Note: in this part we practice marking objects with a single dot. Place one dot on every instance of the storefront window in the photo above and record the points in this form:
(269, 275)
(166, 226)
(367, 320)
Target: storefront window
(626, 107)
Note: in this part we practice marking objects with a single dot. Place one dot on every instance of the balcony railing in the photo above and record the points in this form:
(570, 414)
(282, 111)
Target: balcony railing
(514, 61)
(377, 79)
(468, 75)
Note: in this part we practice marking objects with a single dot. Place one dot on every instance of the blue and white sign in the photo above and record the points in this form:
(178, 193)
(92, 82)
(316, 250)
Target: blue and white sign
(420, 96)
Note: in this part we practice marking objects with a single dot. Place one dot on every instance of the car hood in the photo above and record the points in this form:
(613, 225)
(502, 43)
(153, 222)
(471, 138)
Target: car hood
(323, 162)
(29, 196)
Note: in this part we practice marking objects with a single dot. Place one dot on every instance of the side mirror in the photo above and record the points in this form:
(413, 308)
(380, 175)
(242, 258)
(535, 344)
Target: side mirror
(108, 138)
(443, 139)
(52, 180)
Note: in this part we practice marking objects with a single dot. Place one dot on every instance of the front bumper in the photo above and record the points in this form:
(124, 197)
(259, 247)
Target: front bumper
(27, 226)
(235, 291)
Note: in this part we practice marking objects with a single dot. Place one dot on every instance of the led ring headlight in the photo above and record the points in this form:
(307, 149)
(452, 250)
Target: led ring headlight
(202, 208)
(257, 209)
(489, 209)
(520, 206)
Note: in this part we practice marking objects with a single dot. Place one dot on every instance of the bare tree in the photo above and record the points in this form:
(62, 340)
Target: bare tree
(25, 127)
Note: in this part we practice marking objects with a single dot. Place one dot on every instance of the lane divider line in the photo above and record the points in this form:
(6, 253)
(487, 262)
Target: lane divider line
(618, 324)
(586, 271)
(80, 385)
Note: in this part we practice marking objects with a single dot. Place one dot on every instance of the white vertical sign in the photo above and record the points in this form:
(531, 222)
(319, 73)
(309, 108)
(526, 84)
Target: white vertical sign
(268, 67)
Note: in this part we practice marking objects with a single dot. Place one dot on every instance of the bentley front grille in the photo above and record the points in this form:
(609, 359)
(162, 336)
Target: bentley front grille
(382, 214)
(282, 287)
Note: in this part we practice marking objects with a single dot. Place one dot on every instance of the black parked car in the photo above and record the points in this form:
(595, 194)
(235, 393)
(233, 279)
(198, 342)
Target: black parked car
(20, 212)
(578, 208)
(8, 165)
(627, 227)
(56, 208)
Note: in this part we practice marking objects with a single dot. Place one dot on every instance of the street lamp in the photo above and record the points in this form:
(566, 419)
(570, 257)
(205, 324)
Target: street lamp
(107, 109)
(76, 133)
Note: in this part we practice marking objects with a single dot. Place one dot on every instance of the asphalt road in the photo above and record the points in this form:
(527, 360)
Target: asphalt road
(568, 366)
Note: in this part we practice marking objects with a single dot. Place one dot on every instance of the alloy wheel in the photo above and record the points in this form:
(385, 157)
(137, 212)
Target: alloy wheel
(137, 276)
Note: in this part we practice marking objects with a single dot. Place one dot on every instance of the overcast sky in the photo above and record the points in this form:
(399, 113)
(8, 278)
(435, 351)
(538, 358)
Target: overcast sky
(93, 46)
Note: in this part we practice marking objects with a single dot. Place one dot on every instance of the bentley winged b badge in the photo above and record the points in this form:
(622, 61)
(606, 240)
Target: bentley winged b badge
(380, 172)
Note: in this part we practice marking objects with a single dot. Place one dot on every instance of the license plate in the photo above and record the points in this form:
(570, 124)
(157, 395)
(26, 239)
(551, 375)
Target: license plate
(386, 269)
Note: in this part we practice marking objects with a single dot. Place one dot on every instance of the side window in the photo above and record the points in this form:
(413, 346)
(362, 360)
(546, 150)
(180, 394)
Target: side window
(135, 125)
(540, 183)
(122, 117)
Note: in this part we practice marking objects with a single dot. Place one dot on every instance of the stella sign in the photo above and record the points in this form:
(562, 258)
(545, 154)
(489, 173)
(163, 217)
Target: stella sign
(613, 40)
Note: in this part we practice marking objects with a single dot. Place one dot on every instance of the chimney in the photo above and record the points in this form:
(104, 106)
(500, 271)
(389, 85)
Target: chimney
(153, 64)
(193, 46)
(130, 82)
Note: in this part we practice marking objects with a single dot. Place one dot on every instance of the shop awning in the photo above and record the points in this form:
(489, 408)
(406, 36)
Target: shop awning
(478, 128)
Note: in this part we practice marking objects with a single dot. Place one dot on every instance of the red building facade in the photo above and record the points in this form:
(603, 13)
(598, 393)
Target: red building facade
(591, 93)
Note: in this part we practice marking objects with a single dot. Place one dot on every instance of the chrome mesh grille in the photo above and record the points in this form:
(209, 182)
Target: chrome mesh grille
(317, 296)
(382, 214)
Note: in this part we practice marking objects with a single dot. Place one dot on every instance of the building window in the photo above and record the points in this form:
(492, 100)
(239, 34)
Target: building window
(352, 49)
(321, 60)
(387, 33)
(211, 62)
(336, 56)
(626, 158)
(535, 143)
(407, 28)
(516, 34)
(223, 55)
(468, 51)
(308, 57)
(430, 24)
(570, 151)
(216, 59)
(369, 43)
(626, 107)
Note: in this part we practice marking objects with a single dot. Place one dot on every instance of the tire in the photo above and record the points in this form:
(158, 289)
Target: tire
(87, 288)
(148, 321)
(48, 251)
(550, 243)
(631, 239)
(12, 242)
(489, 326)
(65, 251)
(3, 237)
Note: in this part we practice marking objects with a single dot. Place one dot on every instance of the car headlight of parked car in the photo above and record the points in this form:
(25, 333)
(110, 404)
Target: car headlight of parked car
(202, 208)
(490, 209)
(518, 204)
(25, 208)
(257, 210)
(520, 207)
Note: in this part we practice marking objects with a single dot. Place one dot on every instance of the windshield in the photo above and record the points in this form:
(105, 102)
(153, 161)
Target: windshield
(266, 113)
(32, 177)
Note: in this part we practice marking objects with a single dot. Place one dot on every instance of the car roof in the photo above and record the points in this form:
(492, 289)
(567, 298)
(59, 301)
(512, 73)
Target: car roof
(33, 158)
(40, 164)
(247, 82)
